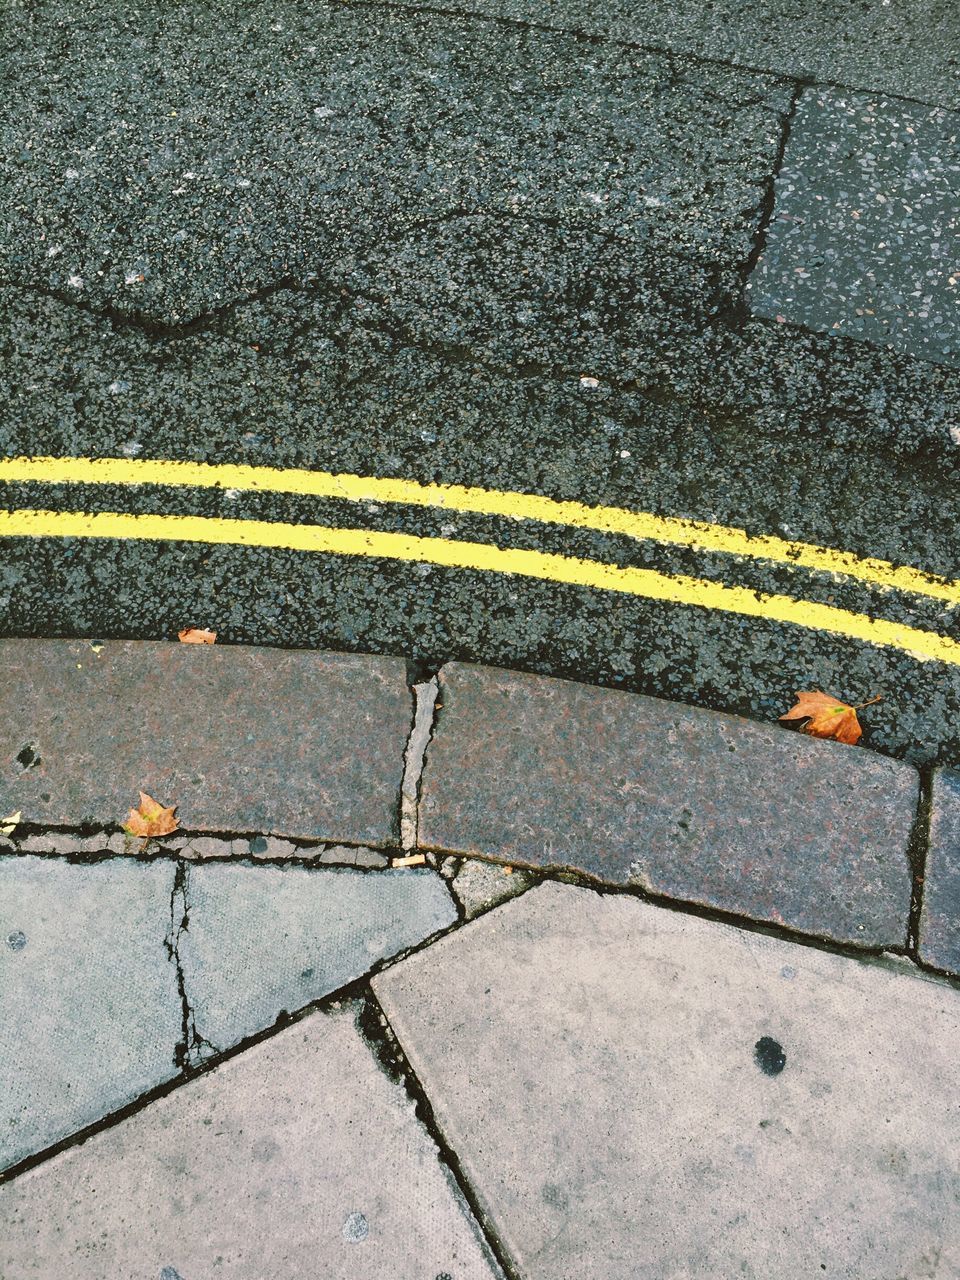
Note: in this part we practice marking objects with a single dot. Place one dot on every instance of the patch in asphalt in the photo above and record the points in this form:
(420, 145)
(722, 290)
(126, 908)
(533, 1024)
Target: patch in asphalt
(865, 237)
(910, 49)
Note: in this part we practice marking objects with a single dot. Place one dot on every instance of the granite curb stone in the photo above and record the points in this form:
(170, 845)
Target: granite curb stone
(83, 729)
(939, 931)
(90, 1015)
(295, 1158)
(711, 1102)
(686, 803)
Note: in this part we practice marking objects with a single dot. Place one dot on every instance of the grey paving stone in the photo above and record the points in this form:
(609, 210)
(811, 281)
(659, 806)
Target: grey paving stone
(231, 185)
(939, 932)
(266, 847)
(263, 940)
(344, 856)
(636, 1093)
(865, 237)
(213, 847)
(90, 1015)
(196, 725)
(913, 50)
(687, 803)
(296, 1158)
(481, 885)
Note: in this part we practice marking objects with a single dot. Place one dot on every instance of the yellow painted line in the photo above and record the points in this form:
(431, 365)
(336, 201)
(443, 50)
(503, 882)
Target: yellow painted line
(647, 583)
(645, 526)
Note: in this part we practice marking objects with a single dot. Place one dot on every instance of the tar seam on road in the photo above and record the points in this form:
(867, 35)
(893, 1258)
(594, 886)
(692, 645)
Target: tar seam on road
(449, 553)
(639, 525)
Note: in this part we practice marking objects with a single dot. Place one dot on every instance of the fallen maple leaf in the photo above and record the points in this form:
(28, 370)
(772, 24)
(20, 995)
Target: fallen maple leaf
(827, 717)
(151, 819)
(196, 635)
(9, 824)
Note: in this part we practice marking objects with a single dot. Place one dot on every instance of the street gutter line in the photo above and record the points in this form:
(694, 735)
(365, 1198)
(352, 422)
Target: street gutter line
(450, 553)
(639, 525)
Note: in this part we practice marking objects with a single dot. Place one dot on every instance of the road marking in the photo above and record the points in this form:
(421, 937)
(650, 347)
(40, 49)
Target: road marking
(647, 583)
(639, 525)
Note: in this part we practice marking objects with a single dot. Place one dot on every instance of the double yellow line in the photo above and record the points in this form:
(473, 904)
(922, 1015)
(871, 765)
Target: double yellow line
(453, 553)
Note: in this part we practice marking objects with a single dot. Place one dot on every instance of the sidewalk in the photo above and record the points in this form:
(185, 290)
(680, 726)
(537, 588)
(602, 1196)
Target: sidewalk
(660, 1000)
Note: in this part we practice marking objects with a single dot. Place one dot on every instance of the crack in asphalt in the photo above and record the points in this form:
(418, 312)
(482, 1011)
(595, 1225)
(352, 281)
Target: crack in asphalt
(307, 282)
(739, 313)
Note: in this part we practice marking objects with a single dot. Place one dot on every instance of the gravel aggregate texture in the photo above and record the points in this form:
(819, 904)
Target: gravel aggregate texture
(865, 234)
(167, 161)
(911, 50)
(435, 274)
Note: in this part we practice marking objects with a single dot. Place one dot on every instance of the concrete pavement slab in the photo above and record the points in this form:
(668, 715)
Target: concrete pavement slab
(865, 234)
(295, 1158)
(912, 50)
(939, 932)
(634, 1093)
(739, 816)
(479, 886)
(257, 152)
(263, 940)
(83, 729)
(90, 1015)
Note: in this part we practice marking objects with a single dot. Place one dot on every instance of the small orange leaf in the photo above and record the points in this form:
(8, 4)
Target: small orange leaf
(151, 819)
(196, 635)
(827, 717)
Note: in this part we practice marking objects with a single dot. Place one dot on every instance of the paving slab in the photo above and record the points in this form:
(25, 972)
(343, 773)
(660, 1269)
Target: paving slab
(295, 1158)
(938, 940)
(478, 886)
(90, 1015)
(264, 940)
(912, 49)
(83, 730)
(633, 1092)
(865, 234)
(264, 151)
(739, 816)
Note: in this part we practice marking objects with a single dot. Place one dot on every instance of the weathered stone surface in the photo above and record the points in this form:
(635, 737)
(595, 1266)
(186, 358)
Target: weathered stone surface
(481, 885)
(687, 803)
(939, 934)
(865, 237)
(81, 732)
(296, 1158)
(635, 1093)
(90, 1015)
(263, 940)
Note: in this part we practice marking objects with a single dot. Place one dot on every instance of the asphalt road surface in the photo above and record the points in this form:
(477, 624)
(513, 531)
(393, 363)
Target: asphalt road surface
(679, 273)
